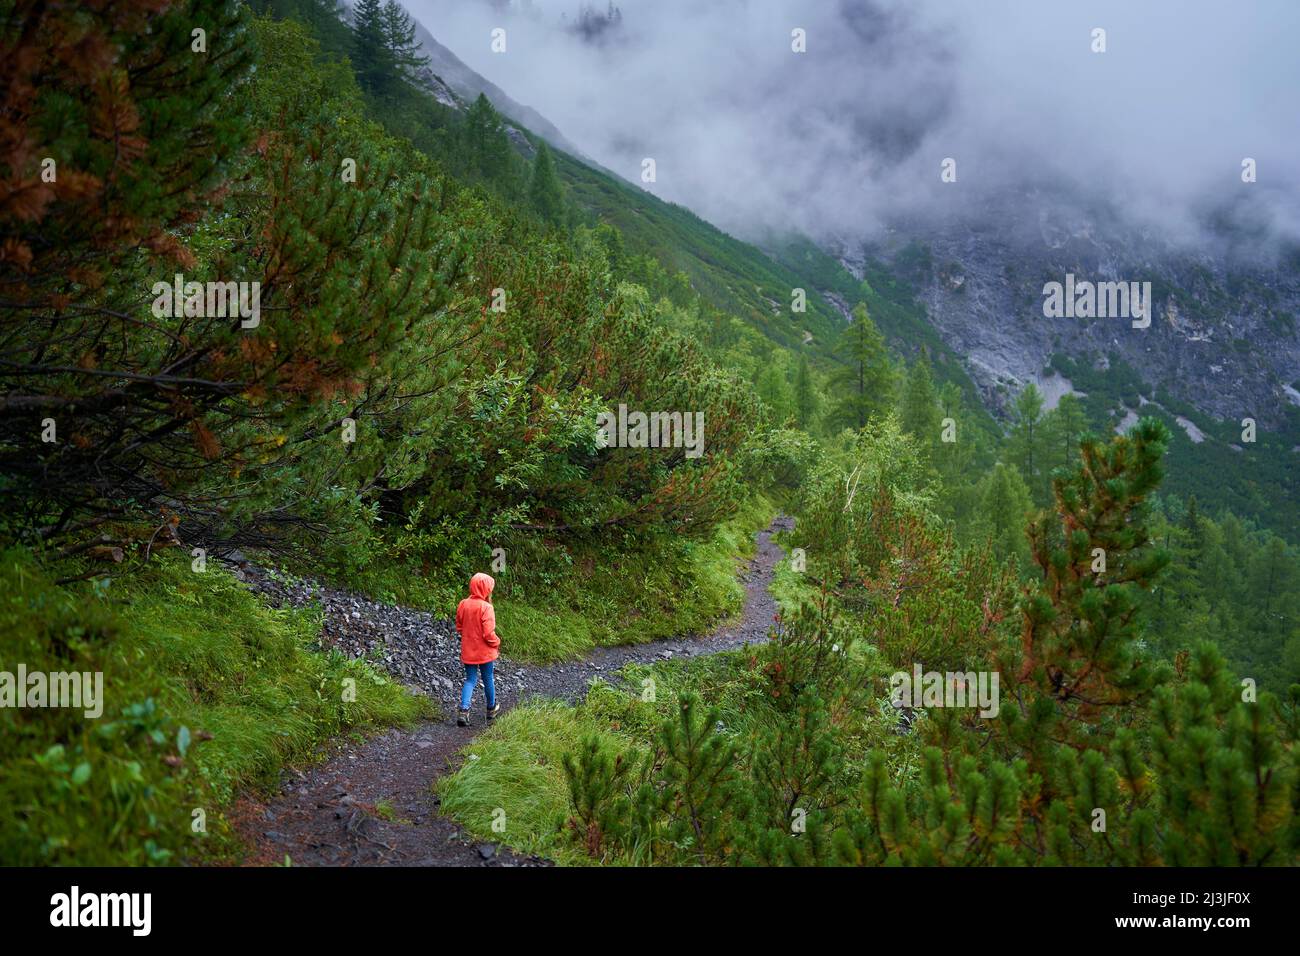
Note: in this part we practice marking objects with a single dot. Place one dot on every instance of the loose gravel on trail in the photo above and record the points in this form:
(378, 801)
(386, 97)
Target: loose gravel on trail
(372, 803)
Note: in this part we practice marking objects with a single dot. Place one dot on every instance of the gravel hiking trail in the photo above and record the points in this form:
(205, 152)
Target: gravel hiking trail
(371, 803)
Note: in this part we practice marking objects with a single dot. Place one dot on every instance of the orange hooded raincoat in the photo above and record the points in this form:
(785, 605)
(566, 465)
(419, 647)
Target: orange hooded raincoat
(477, 622)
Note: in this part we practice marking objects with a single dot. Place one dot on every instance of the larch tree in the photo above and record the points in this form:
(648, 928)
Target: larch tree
(1067, 422)
(486, 147)
(865, 383)
(1004, 507)
(919, 409)
(371, 55)
(401, 43)
(1026, 445)
(545, 194)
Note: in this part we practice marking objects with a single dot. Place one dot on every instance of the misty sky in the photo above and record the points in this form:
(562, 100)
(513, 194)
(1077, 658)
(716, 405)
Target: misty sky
(850, 135)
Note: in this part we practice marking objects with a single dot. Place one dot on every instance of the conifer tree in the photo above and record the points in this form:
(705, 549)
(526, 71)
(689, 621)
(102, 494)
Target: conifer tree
(486, 146)
(1078, 642)
(545, 194)
(1027, 443)
(795, 761)
(865, 383)
(1219, 573)
(1195, 532)
(1066, 423)
(1225, 770)
(187, 414)
(1272, 586)
(919, 410)
(774, 389)
(598, 781)
(703, 792)
(1004, 508)
(402, 47)
(952, 458)
(325, 19)
(371, 56)
(1178, 609)
(98, 177)
(950, 403)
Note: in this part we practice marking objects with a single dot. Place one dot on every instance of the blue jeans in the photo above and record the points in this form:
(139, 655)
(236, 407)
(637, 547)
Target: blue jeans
(471, 678)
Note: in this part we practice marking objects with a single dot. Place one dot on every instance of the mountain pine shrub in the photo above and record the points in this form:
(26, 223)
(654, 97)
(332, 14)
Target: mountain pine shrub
(1099, 754)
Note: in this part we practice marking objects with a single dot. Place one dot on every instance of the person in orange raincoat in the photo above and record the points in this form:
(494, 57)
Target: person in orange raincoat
(479, 643)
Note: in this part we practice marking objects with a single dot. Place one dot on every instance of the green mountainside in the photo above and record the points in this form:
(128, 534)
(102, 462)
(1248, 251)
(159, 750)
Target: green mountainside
(434, 314)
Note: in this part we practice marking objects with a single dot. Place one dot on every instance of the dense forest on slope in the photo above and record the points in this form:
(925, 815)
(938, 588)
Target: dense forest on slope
(443, 312)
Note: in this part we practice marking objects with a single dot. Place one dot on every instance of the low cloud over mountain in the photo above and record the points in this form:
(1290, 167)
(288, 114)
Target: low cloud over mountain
(849, 136)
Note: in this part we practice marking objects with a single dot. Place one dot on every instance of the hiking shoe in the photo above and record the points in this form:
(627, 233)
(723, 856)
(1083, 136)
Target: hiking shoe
(462, 718)
(493, 711)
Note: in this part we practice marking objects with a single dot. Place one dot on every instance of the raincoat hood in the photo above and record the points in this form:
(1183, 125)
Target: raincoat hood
(481, 585)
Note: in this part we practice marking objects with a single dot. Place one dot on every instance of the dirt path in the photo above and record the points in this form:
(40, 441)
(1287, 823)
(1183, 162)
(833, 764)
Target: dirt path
(372, 803)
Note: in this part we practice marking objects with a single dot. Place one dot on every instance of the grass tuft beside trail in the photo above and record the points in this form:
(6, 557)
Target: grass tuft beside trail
(513, 777)
(206, 692)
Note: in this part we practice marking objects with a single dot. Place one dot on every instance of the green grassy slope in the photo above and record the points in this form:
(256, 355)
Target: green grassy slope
(205, 692)
(756, 285)
(729, 274)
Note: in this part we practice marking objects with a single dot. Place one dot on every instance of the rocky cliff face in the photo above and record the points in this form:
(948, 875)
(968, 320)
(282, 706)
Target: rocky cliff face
(447, 72)
(1224, 333)
(455, 85)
